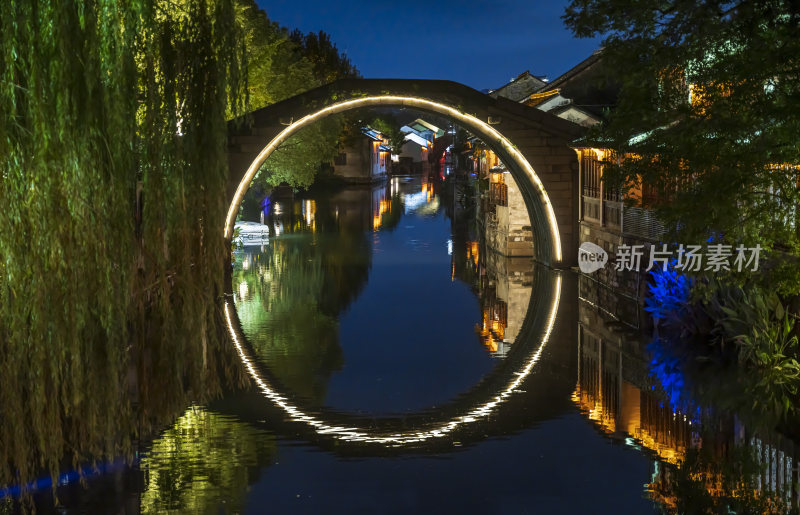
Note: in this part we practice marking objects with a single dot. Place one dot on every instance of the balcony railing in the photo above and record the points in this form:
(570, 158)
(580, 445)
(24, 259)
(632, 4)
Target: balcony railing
(603, 205)
(591, 209)
(642, 222)
(614, 215)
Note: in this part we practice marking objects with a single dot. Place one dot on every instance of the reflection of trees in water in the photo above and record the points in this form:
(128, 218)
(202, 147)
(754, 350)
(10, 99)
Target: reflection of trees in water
(293, 292)
(204, 463)
(345, 255)
(64, 409)
(283, 323)
(391, 218)
(717, 479)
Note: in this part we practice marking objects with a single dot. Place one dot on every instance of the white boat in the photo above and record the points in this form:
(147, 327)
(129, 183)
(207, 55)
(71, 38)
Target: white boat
(251, 233)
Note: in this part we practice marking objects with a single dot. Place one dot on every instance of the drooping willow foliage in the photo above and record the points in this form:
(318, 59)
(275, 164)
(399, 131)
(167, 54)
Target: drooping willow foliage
(112, 180)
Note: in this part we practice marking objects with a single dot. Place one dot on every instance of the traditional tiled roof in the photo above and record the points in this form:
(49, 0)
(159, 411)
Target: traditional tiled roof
(560, 111)
(573, 72)
(587, 85)
(425, 124)
(372, 134)
(535, 99)
(519, 88)
(416, 138)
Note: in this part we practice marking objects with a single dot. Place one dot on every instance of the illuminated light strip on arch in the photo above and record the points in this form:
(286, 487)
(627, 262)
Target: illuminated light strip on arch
(422, 103)
(354, 434)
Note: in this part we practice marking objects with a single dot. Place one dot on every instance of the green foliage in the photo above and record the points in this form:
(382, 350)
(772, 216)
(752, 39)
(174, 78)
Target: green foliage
(112, 157)
(297, 160)
(669, 293)
(282, 65)
(112, 160)
(328, 63)
(388, 125)
(760, 330)
(713, 159)
(744, 334)
(276, 67)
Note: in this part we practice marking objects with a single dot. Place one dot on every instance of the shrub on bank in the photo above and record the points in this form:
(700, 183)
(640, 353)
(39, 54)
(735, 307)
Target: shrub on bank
(745, 334)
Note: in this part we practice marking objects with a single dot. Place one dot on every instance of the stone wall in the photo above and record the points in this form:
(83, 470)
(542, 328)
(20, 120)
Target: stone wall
(556, 165)
(509, 229)
(520, 236)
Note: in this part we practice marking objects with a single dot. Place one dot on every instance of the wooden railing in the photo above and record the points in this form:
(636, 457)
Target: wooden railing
(498, 194)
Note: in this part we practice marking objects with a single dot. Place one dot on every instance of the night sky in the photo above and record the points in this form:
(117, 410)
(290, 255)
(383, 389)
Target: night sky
(481, 44)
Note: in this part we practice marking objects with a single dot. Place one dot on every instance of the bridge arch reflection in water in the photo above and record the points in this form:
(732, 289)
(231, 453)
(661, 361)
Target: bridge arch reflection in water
(485, 399)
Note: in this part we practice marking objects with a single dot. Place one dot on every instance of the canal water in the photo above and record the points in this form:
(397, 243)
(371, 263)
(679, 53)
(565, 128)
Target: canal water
(394, 364)
(379, 311)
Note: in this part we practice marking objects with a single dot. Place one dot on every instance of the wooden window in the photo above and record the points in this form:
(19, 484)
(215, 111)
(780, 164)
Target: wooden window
(591, 171)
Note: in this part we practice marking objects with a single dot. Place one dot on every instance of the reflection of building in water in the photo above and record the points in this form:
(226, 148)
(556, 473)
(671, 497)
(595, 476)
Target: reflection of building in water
(419, 195)
(504, 288)
(615, 391)
(494, 320)
(352, 208)
(614, 388)
(474, 252)
(380, 208)
(427, 188)
(767, 477)
(309, 211)
(360, 208)
(403, 195)
(512, 281)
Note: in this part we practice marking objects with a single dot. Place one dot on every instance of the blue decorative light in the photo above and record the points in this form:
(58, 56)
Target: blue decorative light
(669, 292)
(46, 483)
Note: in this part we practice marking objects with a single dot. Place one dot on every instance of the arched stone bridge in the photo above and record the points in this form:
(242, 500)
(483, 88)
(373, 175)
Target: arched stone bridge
(534, 145)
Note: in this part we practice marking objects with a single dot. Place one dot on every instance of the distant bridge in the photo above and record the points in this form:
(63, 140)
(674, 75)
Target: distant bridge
(534, 146)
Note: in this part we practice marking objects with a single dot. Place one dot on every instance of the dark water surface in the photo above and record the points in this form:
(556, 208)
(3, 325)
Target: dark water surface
(424, 323)
(398, 366)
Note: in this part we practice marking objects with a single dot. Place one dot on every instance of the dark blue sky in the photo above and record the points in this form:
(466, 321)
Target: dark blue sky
(481, 44)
